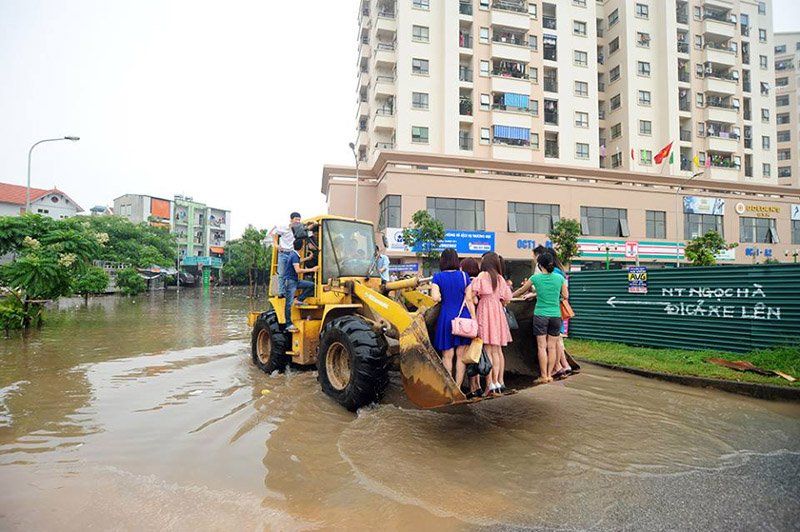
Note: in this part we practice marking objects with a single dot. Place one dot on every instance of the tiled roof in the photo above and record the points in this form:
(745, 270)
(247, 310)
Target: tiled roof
(15, 194)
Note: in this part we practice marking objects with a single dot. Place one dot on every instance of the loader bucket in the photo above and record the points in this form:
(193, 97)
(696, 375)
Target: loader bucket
(426, 381)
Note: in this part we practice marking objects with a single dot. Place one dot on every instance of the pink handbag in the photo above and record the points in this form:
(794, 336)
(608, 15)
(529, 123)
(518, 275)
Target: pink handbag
(466, 327)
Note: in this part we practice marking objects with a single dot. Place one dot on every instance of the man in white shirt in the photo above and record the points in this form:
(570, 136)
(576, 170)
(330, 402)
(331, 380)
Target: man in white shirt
(283, 237)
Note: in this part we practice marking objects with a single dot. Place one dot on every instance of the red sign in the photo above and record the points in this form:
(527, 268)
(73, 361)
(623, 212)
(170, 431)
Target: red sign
(631, 249)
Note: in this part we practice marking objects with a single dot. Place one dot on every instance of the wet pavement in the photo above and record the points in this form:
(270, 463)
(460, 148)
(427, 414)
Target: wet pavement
(146, 413)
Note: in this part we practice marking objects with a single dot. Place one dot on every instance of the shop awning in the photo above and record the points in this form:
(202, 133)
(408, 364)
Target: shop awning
(217, 249)
(512, 133)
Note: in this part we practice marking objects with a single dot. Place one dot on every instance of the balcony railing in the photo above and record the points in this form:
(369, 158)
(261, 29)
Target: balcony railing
(464, 74)
(725, 76)
(386, 111)
(388, 46)
(550, 53)
(601, 86)
(746, 87)
(465, 40)
(503, 107)
(464, 142)
(721, 47)
(510, 39)
(551, 117)
(511, 142)
(745, 31)
(683, 76)
(386, 13)
(549, 23)
(384, 79)
(465, 107)
(748, 144)
(550, 85)
(508, 73)
(384, 145)
(601, 114)
(722, 135)
(682, 17)
(720, 104)
(719, 17)
(684, 105)
(465, 8)
(686, 135)
(517, 6)
(683, 47)
(551, 149)
(784, 65)
(686, 166)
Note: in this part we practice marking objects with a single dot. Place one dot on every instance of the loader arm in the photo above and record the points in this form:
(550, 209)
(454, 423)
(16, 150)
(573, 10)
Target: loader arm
(425, 380)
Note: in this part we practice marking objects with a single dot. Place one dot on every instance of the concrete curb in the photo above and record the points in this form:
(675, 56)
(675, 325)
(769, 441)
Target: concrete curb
(760, 391)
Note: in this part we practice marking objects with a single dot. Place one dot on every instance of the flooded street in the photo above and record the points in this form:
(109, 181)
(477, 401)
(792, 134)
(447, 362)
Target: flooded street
(147, 413)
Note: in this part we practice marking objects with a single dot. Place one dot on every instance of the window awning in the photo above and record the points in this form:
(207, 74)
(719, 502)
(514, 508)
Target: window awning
(512, 133)
(520, 101)
(217, 249)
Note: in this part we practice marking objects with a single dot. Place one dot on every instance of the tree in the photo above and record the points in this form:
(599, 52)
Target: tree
(425, 234)
(703, 250)
(130, 282)
(564, 237)
(93, 280)
(140, 245)
(247, 260)
(11, 315)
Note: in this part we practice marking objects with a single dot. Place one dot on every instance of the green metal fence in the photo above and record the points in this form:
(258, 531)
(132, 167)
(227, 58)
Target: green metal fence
(729, 308)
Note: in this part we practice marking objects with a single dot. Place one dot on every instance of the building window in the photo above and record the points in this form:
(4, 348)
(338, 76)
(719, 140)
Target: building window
(795, 231)
(613, 46)
(484, 68)
(643, 39)
(698, 99)
(784, 171)
(758, 230)
(784, 155)
(458, 214)
(764, 115)
(420, 34)
(582, 149)
(762, 61)
(616, 102)
(420, 67)
(389, 212)
(766, 170)
(613, 18)
(646, 157)
(616, 130)
(419, 100)
(533, 73)
(484, 36)
(643, 68)
(780, 49)
(645, 127)
(533, 10)
(656, 224)
(782, 101)
(534, 107)
(613, 75)
(486, 102)
(762, 35)
(604, 221)
(762, 8)
(784, 136)
(579, 28)
(581, 58)
(422, 4)
(535, 140)
(581, 88)
(485, 135)
(532, 217)
(644, 97)
(484, 4)
(533, 42)
(700, 224)
(419, 134)
(616, 160)
(642, 11)
(581, 119)
(765, 142)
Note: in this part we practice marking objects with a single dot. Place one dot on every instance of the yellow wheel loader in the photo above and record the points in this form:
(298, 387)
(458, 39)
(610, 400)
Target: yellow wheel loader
(354, 328)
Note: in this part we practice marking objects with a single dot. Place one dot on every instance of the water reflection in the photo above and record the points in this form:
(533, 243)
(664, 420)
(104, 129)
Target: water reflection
(148, 411)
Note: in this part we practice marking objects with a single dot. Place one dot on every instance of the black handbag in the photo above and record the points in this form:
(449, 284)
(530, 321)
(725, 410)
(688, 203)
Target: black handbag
(483, 367)
(512, 320)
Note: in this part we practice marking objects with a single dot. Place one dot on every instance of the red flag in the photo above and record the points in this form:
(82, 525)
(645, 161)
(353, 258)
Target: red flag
(663, 154)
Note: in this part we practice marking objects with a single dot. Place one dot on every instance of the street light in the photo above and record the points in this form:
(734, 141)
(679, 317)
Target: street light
(677, 210)
(30, 152)
(355, 156)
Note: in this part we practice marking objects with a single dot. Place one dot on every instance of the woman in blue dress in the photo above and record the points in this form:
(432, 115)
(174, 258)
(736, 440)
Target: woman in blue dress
(448, 287)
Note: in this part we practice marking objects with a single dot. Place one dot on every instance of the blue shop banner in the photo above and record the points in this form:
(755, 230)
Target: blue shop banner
(412, 267)
(466, 242)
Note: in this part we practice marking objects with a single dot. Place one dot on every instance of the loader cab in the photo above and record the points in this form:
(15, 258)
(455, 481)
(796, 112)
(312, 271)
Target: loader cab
(348, 249)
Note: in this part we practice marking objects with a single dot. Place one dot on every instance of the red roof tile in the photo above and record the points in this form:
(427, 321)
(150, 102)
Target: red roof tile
(15, 194)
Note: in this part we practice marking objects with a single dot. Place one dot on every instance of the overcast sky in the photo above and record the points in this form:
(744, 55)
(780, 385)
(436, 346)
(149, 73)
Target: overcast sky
(236, 103)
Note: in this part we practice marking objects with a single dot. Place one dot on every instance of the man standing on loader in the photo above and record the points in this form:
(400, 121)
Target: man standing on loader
(284, 237)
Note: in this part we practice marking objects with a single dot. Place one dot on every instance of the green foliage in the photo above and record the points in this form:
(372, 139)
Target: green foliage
(564, 237)
(140, 245)
(39, 273)
(703, 250)
(427, 233)
(246, 258)
(12, 315)
(130, 282)
(93, 280)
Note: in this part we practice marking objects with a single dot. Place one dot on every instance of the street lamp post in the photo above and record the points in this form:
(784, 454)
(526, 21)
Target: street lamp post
(30, 153)
(355, 156)
(677, 210)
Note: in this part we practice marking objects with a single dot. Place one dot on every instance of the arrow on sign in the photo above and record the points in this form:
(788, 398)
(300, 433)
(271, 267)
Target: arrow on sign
(613, 302)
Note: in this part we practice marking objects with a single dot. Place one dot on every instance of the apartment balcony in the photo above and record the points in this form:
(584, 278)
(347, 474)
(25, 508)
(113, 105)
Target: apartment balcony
(510, 84)
(383, 120)
(684, 105)
(364, 51)
(550, 84)
(720, 54)
(784, 65)
(363, 80)
(685, 135)
(684, 76)
(721, 112)
(465, 74)
(386, 23)
(510, 69)
(683, 47)
(465, 40)
(465, 141)
(509, 50)
(383, 146)
(465, 107)
(511, 13)
(682, 17)
(722, 142)
(551, 118)
(721, 84)
(551, 149)
(549, 23)
(383, 86)
(718, 25)
(724, 173)
(465, 8)
(363, 109)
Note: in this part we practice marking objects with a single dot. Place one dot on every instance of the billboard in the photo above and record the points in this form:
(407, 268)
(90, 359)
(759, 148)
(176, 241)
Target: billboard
(700, 205)
(464, 242)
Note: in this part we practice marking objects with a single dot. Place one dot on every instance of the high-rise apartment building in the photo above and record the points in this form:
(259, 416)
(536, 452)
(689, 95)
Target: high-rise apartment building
(787, 107)
(572, 82)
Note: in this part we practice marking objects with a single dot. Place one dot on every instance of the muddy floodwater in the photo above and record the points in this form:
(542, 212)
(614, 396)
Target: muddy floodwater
(147, 413)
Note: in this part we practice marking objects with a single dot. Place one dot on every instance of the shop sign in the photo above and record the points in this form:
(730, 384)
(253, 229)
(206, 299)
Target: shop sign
(759, 211)
(618, 249)
(530, 244)
(755, 252)
(700, 205)
(637, 279)
(796, 212)
(411, 267)
(214, 262)
(631, 249)
(466, 242)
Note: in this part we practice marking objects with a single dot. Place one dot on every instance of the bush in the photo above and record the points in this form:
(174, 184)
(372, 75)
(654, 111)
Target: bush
(12, 315)
(130, 282)
(93, 280)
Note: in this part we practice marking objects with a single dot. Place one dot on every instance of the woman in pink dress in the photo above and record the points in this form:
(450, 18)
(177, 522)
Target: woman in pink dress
(492, 294)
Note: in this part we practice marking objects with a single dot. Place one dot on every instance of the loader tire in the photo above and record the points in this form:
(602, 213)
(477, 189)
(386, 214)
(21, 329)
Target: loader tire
(269, 344)
(352, 364)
